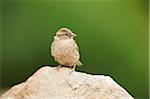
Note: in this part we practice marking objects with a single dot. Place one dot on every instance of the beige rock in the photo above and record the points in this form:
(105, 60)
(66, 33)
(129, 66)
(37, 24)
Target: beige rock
(49, 83)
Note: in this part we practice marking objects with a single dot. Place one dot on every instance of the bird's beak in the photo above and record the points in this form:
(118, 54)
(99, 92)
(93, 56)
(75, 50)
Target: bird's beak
(74, 34)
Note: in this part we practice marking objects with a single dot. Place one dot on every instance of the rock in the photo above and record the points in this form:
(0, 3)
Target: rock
(50, 83)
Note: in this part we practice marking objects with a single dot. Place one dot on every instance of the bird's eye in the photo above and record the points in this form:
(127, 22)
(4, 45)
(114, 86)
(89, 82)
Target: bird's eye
(58, 35)
(66, 34)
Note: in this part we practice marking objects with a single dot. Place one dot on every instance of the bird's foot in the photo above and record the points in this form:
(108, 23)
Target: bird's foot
(73, 69)
(58, 67)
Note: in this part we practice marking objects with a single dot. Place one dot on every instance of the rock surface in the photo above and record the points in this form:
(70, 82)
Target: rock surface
(49, 83)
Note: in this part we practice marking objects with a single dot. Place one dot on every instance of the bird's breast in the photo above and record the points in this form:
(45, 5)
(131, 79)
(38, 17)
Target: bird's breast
(63, 47)
(64, 43)
(65, 52)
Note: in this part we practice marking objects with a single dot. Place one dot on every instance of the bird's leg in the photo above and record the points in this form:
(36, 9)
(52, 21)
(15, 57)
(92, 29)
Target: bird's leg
(58, 67)
(73, 69)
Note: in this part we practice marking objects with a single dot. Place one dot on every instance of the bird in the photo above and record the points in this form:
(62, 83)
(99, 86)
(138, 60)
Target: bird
(65, 50)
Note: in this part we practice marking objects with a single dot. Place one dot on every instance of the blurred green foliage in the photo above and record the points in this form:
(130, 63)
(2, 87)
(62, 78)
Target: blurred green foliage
(112, 36)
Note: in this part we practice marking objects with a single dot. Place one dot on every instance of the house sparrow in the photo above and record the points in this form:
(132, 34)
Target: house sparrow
(64, 49)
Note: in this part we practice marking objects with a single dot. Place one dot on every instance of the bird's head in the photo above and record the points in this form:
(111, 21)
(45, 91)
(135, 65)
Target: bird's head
(65, 33)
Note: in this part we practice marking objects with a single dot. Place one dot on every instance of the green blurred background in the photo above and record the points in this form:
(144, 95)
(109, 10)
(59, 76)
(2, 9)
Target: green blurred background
(112, 36)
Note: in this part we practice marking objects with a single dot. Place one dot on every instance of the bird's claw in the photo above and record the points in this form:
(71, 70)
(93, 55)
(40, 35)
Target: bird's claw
(73, 69)
(58, 67)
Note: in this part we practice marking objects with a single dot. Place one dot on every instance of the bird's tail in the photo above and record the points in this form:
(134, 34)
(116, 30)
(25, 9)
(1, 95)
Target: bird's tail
(79, 64)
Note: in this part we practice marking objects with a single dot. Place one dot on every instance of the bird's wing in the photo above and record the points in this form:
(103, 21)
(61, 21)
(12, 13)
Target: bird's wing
(77, 53)
(76, 46)
(61, 51)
